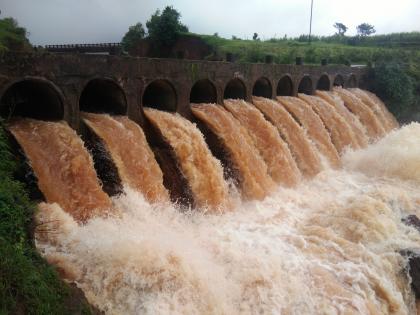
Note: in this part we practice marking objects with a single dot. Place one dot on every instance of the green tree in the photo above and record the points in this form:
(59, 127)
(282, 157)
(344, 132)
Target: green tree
(255, 36)
(164, 28)
(341, 28)
(12, 36)
(135, 33)
(394, 85)
(365, 29)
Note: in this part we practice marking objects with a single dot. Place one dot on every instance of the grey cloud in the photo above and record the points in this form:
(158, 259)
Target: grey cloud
(81, 21)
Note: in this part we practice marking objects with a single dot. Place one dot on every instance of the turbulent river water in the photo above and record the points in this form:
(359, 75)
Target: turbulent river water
(327, 240)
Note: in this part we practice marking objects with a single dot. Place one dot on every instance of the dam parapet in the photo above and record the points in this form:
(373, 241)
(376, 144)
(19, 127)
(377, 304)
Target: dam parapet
(59, 86)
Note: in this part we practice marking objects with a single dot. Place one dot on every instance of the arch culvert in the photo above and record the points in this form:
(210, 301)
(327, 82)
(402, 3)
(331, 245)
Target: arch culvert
(103, 96)
(160, 94)
(338, 80)
(32, 98)
(203, 91)
(306, 86)
(285, 86)
(262, 87)
(235, 89)
(323, 83)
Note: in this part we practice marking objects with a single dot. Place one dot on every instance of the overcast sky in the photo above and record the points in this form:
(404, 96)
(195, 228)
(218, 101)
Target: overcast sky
(91, 21)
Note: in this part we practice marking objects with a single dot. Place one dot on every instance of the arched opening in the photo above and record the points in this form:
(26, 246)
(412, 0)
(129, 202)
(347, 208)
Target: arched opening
(338, 80)
(203, 91)
(160, 94)
(103, 96)
(323, 83)
(285, 86)
(262, 87)
(305, 85)
(235, 89)
(352, 82)
(33, 98)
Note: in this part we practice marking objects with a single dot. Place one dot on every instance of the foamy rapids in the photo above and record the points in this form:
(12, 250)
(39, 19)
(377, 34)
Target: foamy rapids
(329, 246)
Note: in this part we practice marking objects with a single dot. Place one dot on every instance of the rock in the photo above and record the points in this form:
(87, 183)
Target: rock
(413, 268)
(412, 220)
(77, 303)
(413, 255)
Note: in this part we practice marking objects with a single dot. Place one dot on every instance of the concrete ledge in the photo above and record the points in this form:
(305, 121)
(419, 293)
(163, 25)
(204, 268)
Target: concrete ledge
(70, 74)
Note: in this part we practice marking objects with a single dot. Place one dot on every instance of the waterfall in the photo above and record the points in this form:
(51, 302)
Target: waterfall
(363, 112)
(304, 152)
(313, 125)
(254, 179)
(327, 243)
(385, 117)
(203, 172)
(358, 129)
(63, 167)
(131, 153)
(342, 135)
(275, 152)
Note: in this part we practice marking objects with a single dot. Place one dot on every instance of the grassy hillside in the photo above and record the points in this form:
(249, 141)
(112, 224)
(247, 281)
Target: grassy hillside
(394, 61)
(285, 51)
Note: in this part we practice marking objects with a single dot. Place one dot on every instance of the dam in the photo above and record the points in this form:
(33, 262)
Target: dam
(68, 84)
(193, 187)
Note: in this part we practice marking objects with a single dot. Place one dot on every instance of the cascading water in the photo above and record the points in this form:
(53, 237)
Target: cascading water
(393, 121)
(253, 172)
(131, 153)
(313, 125)
(341, 133)
(63, 167)
(281, 165)
(358, 129)
(388, 121)
(363, 112)
(331, 245)
(304, 152)
(203, 172)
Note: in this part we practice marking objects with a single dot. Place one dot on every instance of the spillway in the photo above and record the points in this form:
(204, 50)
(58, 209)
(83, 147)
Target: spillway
(203, 172)
(275, 152)
(385, 117)
(363, 112)
(303, 237)
(63, 167)
(304, 152)
(358, 129)
(253, 172)
(341, 133)
(313, 125)
(131, 153)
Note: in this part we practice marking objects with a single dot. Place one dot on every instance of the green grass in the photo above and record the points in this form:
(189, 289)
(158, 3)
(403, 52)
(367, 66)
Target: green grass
(286, 51)
(28, 285)
(394, 61)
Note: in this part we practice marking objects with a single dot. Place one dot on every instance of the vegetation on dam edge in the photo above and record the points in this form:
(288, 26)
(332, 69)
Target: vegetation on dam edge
(28, 285)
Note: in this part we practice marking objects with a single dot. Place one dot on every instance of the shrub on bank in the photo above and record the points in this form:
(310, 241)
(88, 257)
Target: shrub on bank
(397, 84)
(28, 285)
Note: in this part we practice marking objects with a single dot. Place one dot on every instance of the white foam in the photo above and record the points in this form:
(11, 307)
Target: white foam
(329, 246)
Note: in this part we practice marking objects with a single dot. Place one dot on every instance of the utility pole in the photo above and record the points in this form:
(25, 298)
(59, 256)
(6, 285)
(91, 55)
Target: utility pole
(310, 22)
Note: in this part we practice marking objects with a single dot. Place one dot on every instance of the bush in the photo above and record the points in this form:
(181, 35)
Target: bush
(395, 86)
(164, 28)
(135, 33)
(28, 285)
(12, 36)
